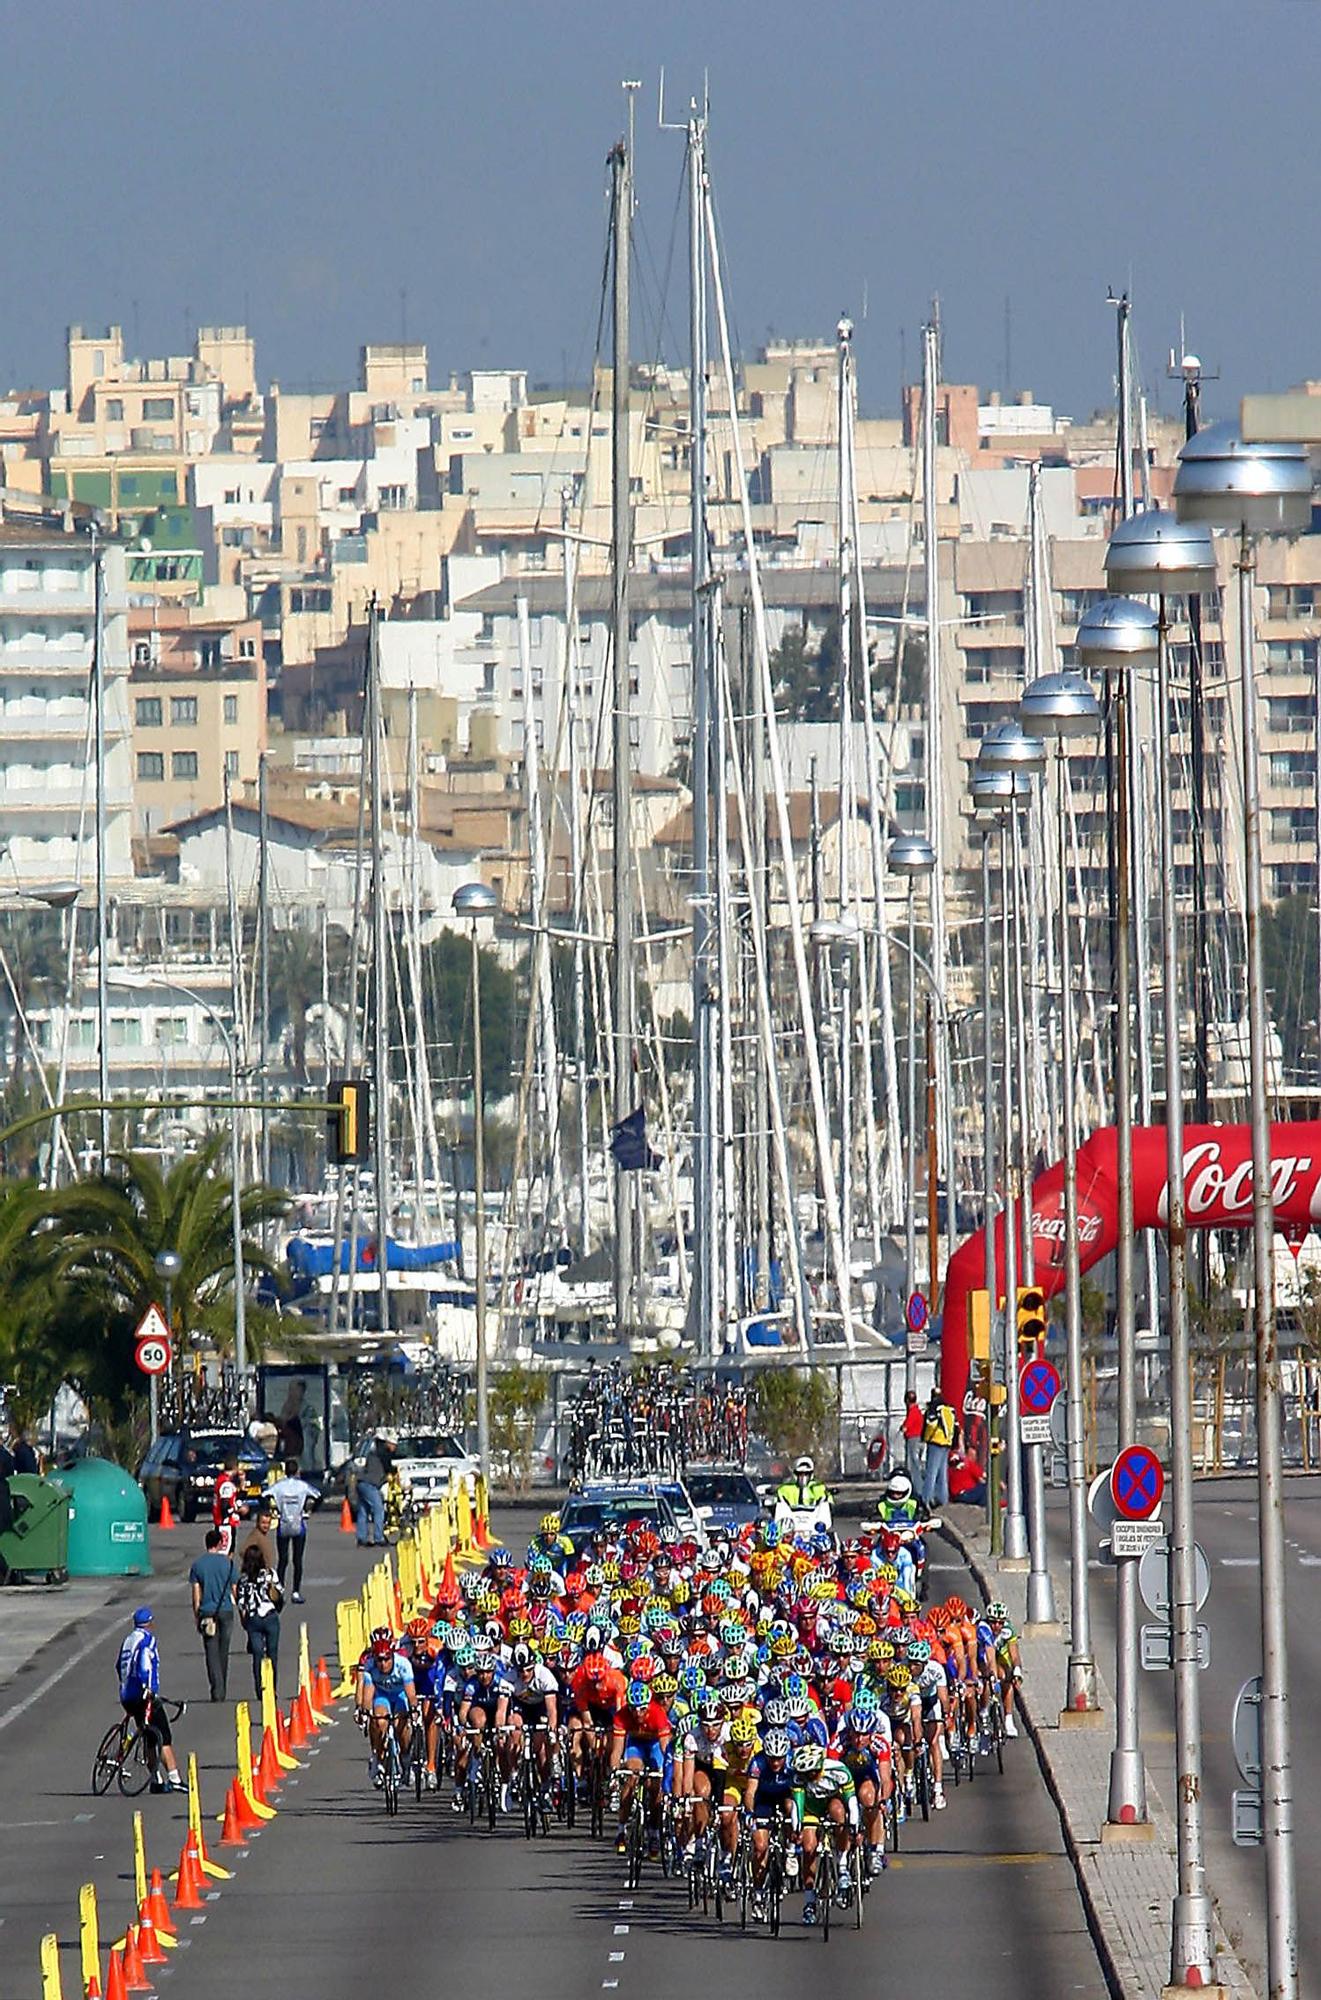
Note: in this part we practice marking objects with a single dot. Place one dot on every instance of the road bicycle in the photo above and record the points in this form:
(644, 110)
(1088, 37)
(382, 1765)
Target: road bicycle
(129, 1752)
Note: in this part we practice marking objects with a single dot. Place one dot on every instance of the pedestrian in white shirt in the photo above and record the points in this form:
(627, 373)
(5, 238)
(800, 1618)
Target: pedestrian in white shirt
(294, 1500)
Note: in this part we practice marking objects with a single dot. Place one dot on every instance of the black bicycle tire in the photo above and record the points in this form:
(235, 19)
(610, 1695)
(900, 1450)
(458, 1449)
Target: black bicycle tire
(825, 1896)
(774, 1890)
(859, 1887)
(135, 1766)
(105, 1764)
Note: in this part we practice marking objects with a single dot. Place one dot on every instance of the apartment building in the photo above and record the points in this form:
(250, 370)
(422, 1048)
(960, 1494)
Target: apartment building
(48, 600)
(198, 691)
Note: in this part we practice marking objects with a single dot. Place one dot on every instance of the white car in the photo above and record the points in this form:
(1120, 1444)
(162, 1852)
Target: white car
(424, 1461)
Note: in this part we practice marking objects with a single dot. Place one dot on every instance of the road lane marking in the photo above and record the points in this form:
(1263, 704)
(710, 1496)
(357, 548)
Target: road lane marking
(920, 1860)
(621, 1930)
(1239, 1562)
(53, 1680)
(616, 1958)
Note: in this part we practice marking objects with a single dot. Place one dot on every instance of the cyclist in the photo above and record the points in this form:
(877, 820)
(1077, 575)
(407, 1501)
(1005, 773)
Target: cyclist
(423, 1651)
(139, 1670)
(997, 1652)
(865, 1749)
(824, 1796)
(768, 1795)
(385, 1699)
(483, 1707)
(640, 1741)
(534, 1695)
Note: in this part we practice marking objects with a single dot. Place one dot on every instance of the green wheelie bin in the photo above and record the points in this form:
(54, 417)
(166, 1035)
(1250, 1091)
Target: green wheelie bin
(35, 1547)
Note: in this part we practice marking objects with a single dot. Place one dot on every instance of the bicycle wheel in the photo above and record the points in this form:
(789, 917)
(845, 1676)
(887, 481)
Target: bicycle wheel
(105, 1764)
(859, 1886)
(637, 1846)
(390, 1776)
(924, 1784)
(491, 1788)
(137, 1764)
(892, 1816)
(827, 1885)
(597, 1782)
(774, 1890)
(527, 1786)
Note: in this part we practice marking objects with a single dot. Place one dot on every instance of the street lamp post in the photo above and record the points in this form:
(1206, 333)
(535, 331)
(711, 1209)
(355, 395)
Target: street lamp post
(1155, 553)
(912, 857)
(475, 900)
(168, 1266)
(1118, 635)
(840, 934)
(1008, 747)
(1257, 488)
(1063, 706)
(996, 791)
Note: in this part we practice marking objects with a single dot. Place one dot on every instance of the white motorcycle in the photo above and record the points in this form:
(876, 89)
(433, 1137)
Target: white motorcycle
(803, 1522)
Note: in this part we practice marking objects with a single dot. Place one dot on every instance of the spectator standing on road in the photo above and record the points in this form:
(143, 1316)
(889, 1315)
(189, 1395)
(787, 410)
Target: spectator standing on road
(226, 1506)
(263, 1534)
(260, 1599)
(264, 1431)
(212, 1579)
(371, 1490)
(294, 1500)
(912, 1435)
(139, 1670)
(939, 1427)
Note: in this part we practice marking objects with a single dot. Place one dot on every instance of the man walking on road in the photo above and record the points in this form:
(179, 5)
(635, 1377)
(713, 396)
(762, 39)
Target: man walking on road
(294, 1500)
(938, 1430)
(212, 1579)
(379, 1458)
(912, 1436)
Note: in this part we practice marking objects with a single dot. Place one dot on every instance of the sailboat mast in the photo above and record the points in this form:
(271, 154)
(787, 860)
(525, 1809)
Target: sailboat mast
(621, 163)
(573, 693)
(847, 808)
(380, 964)
(935, 762)
(705, 1223)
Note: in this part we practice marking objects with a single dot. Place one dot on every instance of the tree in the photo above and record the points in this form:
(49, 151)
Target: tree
(1289, 961)
(112, 1227)
(805, 674)
(797, 1410)
(296, 983)
(446, 988)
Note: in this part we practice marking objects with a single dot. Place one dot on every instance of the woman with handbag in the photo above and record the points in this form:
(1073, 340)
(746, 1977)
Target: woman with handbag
(260, 1601)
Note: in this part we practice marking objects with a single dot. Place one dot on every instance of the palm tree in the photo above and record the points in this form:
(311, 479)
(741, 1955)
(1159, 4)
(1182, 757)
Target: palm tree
(296, 982)
(111, 1229)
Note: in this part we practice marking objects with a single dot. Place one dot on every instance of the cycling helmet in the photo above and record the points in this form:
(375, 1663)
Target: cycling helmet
(382, 1647)
(522, 1654)
(550, 1525)
(639, 1694)
(997, 1612)
(692, 1679)
(520, 1628)
(380, 1633)
(665, 1686)
(464, 1656)
(743, 1729)
(899, 1678)
(542, 1582)
(919, 1652)
(808, 1761)
(777, 1713)
(777, 1743)
(799, 1706)
(645, 1667)
(417, 1628)
(500, 1558)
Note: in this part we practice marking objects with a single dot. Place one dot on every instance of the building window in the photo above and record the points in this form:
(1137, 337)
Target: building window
(247, 649)
(393, 499)
(231, 763)
(231, 708)
(157, 409)
(183, 764)
(114, 410)
(208, 654)
(142, 653)
(149, 711)
(151, 766)
(172, 1029)
(183, 710)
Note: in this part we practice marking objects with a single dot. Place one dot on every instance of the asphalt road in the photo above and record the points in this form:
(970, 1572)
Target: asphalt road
(333, 1899)
(1226, 1526)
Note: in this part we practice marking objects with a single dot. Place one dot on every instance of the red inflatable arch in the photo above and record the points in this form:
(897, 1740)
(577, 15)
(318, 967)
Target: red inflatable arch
(1217, 1164)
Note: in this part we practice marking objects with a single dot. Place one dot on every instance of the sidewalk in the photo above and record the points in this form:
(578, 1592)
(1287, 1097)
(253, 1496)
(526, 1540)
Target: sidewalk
(1127, 1890)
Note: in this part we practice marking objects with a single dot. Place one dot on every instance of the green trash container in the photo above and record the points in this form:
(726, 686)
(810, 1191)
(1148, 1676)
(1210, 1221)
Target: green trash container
(36, 1547)
(107, 1520)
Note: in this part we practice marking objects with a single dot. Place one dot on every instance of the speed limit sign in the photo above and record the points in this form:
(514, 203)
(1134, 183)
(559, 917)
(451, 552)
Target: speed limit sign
(153, 1348)
(152, 1355)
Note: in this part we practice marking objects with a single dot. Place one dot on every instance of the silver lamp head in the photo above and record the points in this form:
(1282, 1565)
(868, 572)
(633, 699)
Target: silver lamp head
(1007, 746)
(1161, 556)
(168, 1263)
(1118, 632)
(475, 899)
(1228, 483)
(1060, 705)
(993, 791)
(911, 854)
(835, 930)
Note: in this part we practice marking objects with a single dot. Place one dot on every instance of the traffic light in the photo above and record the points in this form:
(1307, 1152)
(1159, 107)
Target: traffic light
(349, 1125)
(1031, 1318)
(979, 1325)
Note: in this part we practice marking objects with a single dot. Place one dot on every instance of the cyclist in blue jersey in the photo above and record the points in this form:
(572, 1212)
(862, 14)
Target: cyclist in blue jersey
(768, 1795)
(139, 1671)
(386, 1697)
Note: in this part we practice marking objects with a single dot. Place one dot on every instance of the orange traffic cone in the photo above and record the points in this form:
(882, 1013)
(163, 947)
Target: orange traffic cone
(296, 1731)
(115, 1989)
(232, 1827)
(92, 1990)
(189, 1881)
(322, 1691)
(307, 1715)
(155, 1908)
(149, 1945)
(347, 1524)
(167, 1519)
(248, 1817)
(268, 1764)
(282, 1733)
(135, 1972)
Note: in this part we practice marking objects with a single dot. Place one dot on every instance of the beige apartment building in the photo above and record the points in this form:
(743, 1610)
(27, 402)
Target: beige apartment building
(197, 689)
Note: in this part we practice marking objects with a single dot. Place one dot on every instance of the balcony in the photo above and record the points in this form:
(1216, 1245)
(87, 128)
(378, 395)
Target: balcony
(46, 603)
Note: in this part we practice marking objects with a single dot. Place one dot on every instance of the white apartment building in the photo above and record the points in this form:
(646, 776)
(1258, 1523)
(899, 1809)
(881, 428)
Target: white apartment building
(47, 769)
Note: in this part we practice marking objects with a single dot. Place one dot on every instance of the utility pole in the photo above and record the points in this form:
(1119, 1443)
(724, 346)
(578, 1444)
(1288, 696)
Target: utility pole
(621, 555)
(935, 769)
(102, 912)
(380, 963)
(264, 948)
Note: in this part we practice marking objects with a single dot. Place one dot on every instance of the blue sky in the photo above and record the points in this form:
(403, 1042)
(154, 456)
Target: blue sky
(335, 173)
